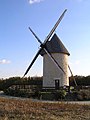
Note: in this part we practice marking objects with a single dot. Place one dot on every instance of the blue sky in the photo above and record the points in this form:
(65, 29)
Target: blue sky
(18, 46)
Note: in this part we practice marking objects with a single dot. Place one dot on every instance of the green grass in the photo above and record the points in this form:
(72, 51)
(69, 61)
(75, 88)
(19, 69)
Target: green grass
(12, 109)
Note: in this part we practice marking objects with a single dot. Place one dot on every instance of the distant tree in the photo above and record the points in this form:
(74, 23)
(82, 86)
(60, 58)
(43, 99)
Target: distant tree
(6, 83)
(80, 80)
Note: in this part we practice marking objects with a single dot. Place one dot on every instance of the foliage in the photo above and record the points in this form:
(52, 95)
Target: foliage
(60, 94)
(21, 93)
(4, 84)
(83, 95)
(53, 95)
(80, 80)
(36, 88)
(47, 96)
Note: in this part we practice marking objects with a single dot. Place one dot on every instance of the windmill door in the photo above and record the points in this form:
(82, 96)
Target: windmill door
(57, 84)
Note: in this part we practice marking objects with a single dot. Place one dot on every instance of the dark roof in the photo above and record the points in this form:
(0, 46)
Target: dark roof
(55, 46)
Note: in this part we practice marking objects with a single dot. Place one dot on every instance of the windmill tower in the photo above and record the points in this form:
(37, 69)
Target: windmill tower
(55, 59)
(52, 76)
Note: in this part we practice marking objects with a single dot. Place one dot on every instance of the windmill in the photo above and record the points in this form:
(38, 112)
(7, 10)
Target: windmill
(54, 65)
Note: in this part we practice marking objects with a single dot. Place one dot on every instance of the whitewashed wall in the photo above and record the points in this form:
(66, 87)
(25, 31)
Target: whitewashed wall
(50, 71)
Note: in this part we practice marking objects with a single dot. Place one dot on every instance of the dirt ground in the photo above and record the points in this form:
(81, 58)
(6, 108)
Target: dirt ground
(15, 109)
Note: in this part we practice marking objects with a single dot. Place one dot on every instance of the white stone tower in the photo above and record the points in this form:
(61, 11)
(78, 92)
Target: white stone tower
(52, 76)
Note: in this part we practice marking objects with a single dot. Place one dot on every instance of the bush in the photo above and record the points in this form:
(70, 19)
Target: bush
(83, 95)
(60, 94)
(9, 92)
(47, 96)
(54, 95)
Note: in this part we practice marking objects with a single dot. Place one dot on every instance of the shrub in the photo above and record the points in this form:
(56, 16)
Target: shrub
(60, 94)
(83, 95)
(47, 96)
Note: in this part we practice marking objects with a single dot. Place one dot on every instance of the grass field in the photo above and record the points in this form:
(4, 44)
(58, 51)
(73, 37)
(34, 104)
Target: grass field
(12, 109)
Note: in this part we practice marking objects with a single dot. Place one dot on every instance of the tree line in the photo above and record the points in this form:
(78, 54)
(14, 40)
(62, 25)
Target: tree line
(6, 83)
(80, 80)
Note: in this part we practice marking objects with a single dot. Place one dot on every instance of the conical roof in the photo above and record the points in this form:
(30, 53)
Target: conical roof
(55, 46)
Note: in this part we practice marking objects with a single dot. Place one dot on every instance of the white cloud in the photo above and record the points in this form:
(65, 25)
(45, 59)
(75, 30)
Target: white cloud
(35, 1)
(4, 61)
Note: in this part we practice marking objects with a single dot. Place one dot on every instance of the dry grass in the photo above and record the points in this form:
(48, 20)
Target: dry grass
(12, 109)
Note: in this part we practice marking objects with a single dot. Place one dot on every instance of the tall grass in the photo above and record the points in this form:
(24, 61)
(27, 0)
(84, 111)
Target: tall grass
(12, 109)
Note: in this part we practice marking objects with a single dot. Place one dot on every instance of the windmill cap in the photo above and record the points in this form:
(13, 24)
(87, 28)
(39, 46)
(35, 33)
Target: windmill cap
(55, 46)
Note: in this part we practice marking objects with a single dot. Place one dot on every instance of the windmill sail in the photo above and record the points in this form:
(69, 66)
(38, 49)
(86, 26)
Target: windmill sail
(42, 45)
(55, 26)
(34, 59)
